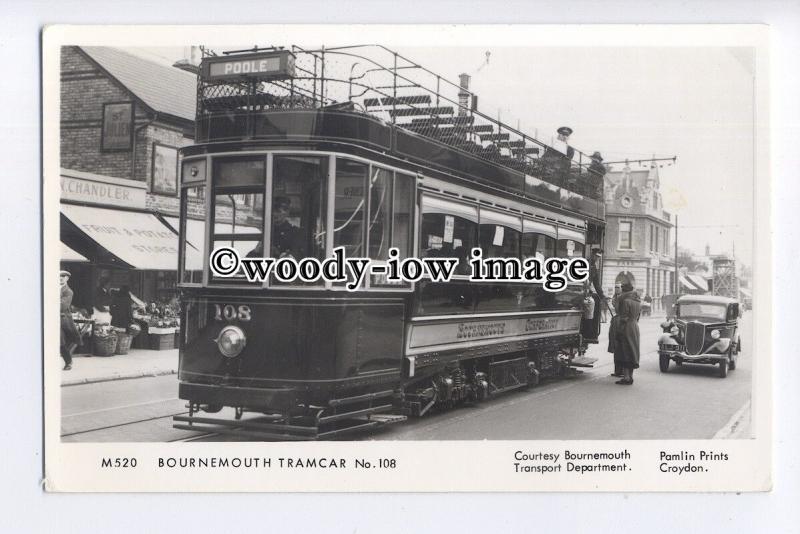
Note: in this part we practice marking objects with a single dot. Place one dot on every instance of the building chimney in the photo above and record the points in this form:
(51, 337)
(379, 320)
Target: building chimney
(463, 94)
(190, 62)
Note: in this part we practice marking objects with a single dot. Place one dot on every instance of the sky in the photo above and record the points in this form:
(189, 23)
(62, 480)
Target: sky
(631, 102)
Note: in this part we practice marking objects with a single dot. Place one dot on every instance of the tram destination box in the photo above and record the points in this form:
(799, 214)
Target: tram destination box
(274, 65)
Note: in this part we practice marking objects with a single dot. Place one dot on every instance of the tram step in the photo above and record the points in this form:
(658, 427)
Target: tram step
(387, 419)
(582, 362)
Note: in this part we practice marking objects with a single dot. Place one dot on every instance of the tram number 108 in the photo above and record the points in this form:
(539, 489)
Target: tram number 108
(383, 463)
(229, 312)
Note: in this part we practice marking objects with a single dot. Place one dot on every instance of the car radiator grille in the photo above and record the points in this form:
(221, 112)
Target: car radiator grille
(695, 335)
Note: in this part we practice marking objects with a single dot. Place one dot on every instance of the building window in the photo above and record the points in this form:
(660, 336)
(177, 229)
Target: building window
(625, 238)
(657, 246)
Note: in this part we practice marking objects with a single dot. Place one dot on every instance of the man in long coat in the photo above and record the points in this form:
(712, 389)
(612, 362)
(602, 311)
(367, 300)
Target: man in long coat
(627, 333)
(70, 337)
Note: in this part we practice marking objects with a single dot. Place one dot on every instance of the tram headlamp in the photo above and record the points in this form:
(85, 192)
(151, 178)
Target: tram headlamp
(715, 334)
(231, 341)
(674, 330)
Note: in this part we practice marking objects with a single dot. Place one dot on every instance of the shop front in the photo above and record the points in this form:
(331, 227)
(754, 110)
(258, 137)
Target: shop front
(109, 238)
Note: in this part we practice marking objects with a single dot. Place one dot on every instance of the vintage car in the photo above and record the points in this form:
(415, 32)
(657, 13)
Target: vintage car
(704, 330)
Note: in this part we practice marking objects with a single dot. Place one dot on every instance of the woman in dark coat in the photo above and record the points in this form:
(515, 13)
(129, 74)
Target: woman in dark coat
(627, 333)
(122, 308)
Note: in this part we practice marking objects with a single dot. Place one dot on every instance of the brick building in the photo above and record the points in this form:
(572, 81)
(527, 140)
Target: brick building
(123, 119)
(638, 241)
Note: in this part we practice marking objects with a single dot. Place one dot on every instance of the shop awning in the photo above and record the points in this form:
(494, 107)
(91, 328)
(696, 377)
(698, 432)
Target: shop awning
(694, 282)
(699, 281)
(138, 239)
(686, 284)
(69, 255)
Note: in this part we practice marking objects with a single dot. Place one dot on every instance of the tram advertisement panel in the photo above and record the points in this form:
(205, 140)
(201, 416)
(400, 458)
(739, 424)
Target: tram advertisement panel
(369, 279)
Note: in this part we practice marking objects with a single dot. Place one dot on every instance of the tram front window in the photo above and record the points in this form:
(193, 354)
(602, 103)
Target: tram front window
(237, 207)
(299, 208)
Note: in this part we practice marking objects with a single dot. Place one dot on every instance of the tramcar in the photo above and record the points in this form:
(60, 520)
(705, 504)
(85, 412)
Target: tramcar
(299, 152)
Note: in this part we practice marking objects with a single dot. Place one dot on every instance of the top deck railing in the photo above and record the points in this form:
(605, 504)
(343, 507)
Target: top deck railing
(381, 83)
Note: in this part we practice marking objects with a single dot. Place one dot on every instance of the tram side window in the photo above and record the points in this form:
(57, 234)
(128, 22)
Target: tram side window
(380, 213)
(569, 246)
(348, 218)
(391, 203)
(403, 211)
(499, 240)
(450, 236)
(193, 231)
(538, 245)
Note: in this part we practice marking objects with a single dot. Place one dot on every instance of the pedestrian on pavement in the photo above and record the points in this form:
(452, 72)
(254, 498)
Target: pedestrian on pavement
(70, 337)
(612, 331)
(102, 302)
(122, 308)
(627, 334)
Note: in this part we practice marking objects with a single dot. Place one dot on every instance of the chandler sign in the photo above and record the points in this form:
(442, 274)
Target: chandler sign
(103, 190)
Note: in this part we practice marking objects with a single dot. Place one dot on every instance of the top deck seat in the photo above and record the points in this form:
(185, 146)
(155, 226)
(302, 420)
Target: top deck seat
(400, 100)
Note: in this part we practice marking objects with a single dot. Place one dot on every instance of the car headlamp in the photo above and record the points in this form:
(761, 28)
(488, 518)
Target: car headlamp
(231, 341)
(715, 334)
(674, 330)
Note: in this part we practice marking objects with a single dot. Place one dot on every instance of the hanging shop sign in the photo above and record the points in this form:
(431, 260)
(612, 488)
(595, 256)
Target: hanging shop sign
(117, 126)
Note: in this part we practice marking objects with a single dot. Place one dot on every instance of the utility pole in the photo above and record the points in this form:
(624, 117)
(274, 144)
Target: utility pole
(677, 273)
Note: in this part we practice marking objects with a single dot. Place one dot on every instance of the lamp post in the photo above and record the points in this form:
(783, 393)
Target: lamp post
(677, 281)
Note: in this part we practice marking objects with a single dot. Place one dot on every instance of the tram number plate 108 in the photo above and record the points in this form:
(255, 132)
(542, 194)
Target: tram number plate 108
(229, 312)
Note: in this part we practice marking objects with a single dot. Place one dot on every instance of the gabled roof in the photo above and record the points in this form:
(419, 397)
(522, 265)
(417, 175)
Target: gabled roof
(162, 88)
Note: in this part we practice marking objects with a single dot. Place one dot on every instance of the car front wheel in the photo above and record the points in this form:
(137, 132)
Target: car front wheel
(663, 362)
(723, 368)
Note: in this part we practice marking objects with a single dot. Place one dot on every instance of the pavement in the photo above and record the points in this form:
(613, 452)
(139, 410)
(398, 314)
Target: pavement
(136, 364)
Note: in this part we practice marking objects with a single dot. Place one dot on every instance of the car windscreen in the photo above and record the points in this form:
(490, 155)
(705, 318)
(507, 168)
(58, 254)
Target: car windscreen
(702, 310)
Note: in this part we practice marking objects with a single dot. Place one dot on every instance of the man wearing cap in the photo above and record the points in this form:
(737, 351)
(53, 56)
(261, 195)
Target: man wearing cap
(286, 237)
(69, 332)
(597, 172)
